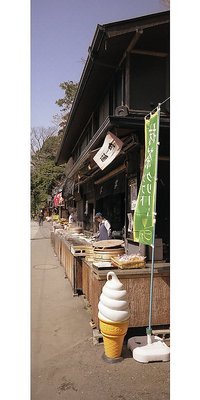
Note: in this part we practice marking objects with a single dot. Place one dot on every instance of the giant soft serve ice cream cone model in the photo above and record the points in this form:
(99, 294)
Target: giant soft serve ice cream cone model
(113, 316)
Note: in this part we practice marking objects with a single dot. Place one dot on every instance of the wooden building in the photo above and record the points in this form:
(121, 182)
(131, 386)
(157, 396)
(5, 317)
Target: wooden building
(125, 76)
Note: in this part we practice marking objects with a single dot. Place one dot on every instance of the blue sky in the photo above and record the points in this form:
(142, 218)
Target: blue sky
(61, 32)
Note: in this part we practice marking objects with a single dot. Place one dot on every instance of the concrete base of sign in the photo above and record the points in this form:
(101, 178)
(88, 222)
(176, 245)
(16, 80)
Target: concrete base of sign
(145, 352)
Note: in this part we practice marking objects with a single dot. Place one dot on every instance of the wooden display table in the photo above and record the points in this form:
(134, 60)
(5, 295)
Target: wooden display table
(137, 284)
(84, 276)
(70, 251)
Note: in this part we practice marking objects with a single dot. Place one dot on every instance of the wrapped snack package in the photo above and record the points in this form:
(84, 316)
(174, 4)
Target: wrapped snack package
(113, 315)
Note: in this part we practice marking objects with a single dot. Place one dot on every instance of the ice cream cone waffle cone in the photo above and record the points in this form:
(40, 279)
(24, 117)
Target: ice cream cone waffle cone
(113, 337)
(113, 316)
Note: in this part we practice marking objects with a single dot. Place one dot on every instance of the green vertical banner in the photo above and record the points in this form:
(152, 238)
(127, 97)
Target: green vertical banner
(143, 220)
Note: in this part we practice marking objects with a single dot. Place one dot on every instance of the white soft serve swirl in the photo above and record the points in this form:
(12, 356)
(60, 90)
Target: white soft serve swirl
(113, 306)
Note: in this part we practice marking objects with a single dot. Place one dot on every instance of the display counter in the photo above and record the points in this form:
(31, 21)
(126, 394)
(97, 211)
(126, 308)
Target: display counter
(89, 280)
(137, 284)
(70, 250)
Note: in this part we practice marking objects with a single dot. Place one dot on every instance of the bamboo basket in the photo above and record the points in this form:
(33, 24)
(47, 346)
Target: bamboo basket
(128, 264)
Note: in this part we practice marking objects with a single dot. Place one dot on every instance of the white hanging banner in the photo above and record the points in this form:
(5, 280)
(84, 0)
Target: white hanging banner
(110, 149)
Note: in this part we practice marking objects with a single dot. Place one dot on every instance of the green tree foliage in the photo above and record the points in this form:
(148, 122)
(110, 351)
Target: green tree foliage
(45, 175)
(70, 89)
(65, 103)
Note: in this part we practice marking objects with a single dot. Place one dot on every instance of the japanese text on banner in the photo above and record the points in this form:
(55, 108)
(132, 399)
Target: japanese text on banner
(144, 213)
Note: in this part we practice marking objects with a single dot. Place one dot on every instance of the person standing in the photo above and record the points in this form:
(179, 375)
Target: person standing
(72, 217)
(41, 217)
(104, 227)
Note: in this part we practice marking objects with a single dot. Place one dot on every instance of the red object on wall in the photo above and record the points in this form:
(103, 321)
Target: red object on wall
(56, 199)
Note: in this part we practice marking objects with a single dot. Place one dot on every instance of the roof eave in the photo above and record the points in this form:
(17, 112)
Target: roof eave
(102, 31)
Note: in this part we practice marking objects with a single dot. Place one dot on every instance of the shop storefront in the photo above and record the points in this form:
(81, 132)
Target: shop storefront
(125, 76)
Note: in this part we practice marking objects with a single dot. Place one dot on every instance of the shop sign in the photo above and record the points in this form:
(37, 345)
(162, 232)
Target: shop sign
(110, 149)
(58, 200)
(145, 206)
(133, 193)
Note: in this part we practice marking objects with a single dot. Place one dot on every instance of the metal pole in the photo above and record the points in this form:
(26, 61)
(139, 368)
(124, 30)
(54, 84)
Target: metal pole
(149, 329)
(125, 217)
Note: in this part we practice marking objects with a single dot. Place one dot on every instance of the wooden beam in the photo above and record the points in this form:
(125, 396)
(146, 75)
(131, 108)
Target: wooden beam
(117, 30)
(163, 158)
(150, 53)
(110, 174)
(135, 38)
(127, 81)
(133, 42)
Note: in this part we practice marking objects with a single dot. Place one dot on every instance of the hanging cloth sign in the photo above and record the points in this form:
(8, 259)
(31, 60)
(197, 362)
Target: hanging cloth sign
(143, 219)
(58, 199)
(110, 149)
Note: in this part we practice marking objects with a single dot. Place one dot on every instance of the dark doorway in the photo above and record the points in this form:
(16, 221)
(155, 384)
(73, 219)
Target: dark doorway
(113, 208)
(163, 206)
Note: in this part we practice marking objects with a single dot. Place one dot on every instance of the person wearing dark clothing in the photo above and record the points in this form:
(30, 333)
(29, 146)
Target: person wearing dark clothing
(104, 227)
(103, 233)
(41, 217)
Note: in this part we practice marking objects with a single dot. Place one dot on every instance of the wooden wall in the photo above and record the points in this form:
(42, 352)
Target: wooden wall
(137, 287)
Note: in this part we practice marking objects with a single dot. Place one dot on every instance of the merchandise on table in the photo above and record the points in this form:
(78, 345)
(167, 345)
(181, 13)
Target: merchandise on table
(129, 261)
